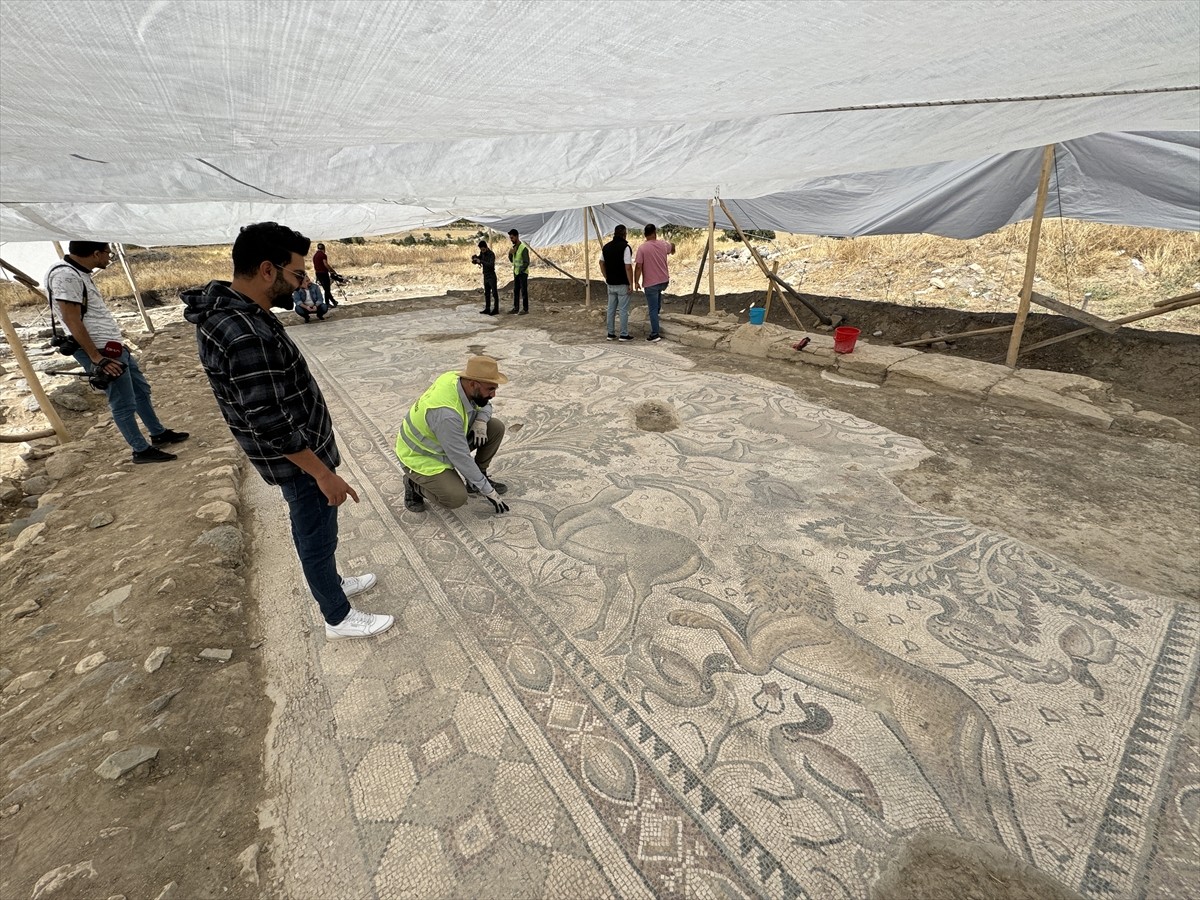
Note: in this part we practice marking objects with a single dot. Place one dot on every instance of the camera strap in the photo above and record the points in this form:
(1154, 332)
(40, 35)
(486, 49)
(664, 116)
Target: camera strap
(50, 296)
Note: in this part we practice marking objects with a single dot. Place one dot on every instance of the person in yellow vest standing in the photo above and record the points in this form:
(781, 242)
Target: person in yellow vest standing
(452, 419)
(519, 254)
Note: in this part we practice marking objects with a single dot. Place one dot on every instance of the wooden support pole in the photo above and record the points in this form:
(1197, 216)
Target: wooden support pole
(596, 225)
(23, 363)
(24, 279)
(27, 436)
(1144, 314)
(712, 260)
(1035, 232)
(696, 287)
(786, 288)
(1171, 301)
(58, 249)
(770, 289)
(999, 329)
(137, 295)
(552, 265)
(587, 262)
(1065, 309)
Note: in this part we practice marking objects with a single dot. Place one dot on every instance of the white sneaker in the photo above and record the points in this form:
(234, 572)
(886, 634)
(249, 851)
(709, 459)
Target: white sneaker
(356, 584)
(358, 624)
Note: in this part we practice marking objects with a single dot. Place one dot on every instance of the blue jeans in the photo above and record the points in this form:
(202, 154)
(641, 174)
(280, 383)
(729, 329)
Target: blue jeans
(618, 298)
(654, 294)
(315, 534)
(304, 313)
(127, 396)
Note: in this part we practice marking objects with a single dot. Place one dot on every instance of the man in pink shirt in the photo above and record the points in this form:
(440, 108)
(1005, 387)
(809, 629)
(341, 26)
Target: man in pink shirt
(651, 270)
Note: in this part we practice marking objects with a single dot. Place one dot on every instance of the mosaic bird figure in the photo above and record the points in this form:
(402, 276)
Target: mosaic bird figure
(794, 747)
(671, 675)
(1084, 644)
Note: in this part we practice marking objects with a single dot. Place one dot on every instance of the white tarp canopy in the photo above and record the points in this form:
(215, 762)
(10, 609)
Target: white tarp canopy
(177, 122)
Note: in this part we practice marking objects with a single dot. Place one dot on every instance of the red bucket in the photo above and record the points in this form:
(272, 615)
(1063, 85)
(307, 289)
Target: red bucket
(844, 338)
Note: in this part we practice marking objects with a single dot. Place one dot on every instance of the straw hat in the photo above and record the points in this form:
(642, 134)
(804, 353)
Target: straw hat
(483, 368)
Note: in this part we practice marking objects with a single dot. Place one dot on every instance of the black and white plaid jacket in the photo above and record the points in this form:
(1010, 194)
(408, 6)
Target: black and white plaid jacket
(263, 387)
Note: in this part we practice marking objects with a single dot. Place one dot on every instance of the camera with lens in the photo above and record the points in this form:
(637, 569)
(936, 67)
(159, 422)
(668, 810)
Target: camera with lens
(100, 379)
(475, 258)
(65, 344)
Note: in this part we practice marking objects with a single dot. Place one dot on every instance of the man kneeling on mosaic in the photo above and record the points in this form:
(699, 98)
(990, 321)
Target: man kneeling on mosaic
(452, 419)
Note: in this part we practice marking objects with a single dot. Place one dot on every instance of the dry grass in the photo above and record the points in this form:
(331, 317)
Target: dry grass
(1109, 270)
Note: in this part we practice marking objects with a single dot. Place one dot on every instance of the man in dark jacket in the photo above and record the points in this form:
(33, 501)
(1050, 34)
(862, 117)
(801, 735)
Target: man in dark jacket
(276, 411)
(616, 265)
(486, 259)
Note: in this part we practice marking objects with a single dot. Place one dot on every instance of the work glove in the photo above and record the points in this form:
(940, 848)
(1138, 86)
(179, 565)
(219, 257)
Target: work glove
(478, 435)
(499, 505)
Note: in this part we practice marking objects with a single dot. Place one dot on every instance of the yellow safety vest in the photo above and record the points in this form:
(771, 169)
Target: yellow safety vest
(416, 445)
(520, 259)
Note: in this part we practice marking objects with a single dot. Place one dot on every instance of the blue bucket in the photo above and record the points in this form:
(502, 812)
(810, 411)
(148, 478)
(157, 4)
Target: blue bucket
(758, 315)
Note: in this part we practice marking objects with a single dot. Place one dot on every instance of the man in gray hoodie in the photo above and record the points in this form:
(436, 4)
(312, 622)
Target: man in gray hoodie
(276, 411)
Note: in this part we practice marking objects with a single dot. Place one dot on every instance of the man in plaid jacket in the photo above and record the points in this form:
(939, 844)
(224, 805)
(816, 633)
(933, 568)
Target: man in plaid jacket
(276, 411)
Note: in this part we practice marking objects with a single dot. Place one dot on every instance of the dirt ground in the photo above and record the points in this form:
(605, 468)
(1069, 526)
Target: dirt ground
(1117, 504)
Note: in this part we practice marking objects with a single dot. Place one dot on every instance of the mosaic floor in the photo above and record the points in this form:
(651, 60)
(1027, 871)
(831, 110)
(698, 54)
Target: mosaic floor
(723, 660)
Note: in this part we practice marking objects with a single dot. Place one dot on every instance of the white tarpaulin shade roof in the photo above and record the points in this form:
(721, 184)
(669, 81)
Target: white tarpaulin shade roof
(170, 123)
(1152, 180)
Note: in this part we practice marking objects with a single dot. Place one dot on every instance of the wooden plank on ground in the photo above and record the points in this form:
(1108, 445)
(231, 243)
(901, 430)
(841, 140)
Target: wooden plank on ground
(1071, 312)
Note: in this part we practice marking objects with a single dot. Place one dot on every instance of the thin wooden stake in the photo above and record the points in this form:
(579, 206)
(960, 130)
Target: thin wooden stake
(596, 225)
(824, 319)
(712, 260)
(770, 289)
(1171, 301)
(552, 265)
(31, 378)
(1035, 232)
(696, 287)
(13, 438)
(137, 295)
(587, 262)
(999, 329)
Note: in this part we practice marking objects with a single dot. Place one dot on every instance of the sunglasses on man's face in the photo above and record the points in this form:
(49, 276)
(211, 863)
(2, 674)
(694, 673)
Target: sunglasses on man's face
(301, 274)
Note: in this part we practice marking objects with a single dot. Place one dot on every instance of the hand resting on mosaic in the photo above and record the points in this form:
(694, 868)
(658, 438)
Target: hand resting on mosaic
(499, 505)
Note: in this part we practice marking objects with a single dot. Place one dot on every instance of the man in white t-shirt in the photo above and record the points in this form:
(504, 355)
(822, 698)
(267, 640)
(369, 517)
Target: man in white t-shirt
(78, 307)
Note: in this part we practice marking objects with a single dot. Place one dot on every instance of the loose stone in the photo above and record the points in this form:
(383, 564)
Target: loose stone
(29, 681)
(109, 601)
(155, 660)
(124, 761)
(88, 663)
(28, 608)
(212, 653)
(56, 878)
(158, 704)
